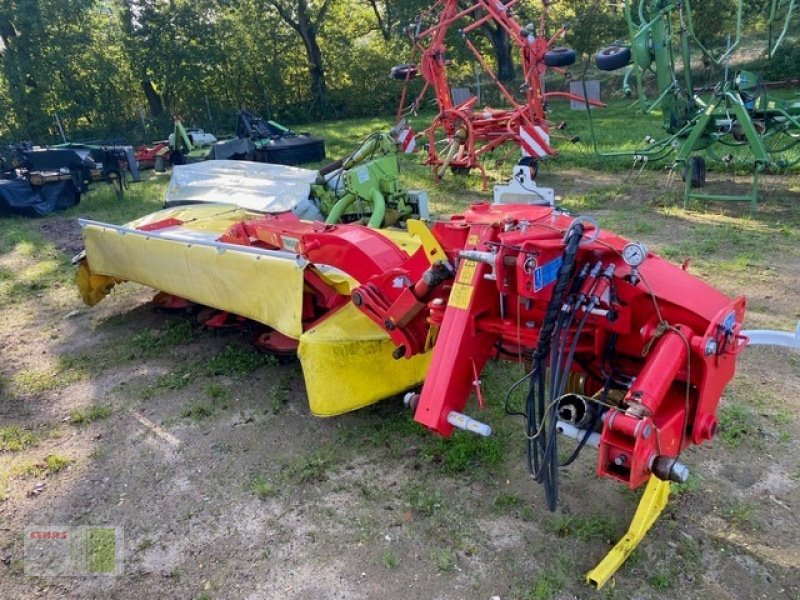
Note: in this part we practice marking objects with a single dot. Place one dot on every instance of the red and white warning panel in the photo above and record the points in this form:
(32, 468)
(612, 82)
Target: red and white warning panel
(534, 141)
(408, 141)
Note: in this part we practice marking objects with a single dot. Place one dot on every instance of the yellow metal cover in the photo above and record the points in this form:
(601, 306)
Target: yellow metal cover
(264, 288)
(347, 364)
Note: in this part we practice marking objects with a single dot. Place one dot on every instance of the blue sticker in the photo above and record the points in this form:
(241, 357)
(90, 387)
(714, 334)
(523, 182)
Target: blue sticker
(546, 274)
(730, 322)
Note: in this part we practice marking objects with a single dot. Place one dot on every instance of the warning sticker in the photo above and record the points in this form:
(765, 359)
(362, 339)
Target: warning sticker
(290, 243)
(460, 296)
(546, 274)
(467, 272)
(473, 239)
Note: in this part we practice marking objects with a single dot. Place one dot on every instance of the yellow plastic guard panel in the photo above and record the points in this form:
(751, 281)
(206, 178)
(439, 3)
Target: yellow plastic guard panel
(347, 364)
(263, 288)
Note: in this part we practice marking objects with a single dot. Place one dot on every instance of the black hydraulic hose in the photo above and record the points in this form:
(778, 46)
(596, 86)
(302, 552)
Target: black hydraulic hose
(565, 319)
(542, 447)
(561, 380)
(564, 273)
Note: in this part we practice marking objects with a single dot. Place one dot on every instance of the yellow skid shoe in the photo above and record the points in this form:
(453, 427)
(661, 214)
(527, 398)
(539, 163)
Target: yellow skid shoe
(652, 503)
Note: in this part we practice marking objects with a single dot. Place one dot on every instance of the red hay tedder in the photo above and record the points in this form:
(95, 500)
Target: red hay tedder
(464, 132)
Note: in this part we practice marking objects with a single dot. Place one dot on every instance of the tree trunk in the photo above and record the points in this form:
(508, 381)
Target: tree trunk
(307, 26)
(502, 52)
(7, 31)
(384, 24)
(319, 87)
(153, 99)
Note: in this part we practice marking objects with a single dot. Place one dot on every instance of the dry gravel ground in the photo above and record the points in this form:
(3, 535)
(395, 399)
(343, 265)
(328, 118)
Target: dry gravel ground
(204, 452)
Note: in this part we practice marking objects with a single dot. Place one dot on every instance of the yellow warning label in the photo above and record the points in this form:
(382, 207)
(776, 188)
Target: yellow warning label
(467, 272)
(460, 296)
(473, 239)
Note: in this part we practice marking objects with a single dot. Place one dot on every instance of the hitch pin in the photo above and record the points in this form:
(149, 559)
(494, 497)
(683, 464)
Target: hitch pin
(478, 256)
(462, 421)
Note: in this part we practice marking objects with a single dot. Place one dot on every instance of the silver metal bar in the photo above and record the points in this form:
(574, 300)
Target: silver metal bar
(576, 433)
(220, 246)
(773, 337)
(462, 421)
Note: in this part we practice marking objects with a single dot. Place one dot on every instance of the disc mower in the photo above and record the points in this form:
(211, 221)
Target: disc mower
(274, 143)
(35, 181)
(623, 350)
(462, 133)
(364, 186)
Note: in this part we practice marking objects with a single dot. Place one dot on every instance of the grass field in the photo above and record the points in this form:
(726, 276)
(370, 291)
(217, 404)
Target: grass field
(204, 451)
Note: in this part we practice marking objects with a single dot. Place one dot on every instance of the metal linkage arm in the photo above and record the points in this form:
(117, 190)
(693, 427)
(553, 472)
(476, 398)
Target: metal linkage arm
(774, 337)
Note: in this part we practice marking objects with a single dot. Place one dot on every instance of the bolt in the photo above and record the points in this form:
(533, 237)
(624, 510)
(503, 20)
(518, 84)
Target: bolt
(679, 473)
(621, 460)
(667, 468)
(711, 347)
(411, 400)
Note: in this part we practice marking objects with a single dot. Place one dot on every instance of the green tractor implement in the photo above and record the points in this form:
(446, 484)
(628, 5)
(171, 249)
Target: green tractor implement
(740, 125)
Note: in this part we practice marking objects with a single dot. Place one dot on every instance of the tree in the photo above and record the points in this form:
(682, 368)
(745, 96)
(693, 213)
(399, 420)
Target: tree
(501, 45)
(307, 18)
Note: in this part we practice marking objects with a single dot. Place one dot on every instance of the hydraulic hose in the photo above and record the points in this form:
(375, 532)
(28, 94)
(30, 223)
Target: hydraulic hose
(342, 204)
(378, 209)
(542, 451)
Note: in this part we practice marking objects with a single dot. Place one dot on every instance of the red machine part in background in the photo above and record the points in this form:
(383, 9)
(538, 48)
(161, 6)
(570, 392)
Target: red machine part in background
(146, 155)
(472, 132)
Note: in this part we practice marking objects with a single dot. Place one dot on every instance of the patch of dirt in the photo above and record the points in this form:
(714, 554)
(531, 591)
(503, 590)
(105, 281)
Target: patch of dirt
(63, 232)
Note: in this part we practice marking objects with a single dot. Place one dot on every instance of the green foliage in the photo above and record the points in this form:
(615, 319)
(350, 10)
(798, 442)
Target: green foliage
(263, 488)
(736, 424)
(90, 415)
(218, 393)
(197, 411)
(13, 438)
(662, 579)
(310, 468)
(785, 63)
(237, 361)
(552, 579)
(584, 528)
(424, 501)
(443, 559)
(390, 560)
(51, 465)
(125, 67)
(506, 503)
(465, 451)
(153, 342)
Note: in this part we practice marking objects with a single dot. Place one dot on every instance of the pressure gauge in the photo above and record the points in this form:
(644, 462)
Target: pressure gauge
(634, 254)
